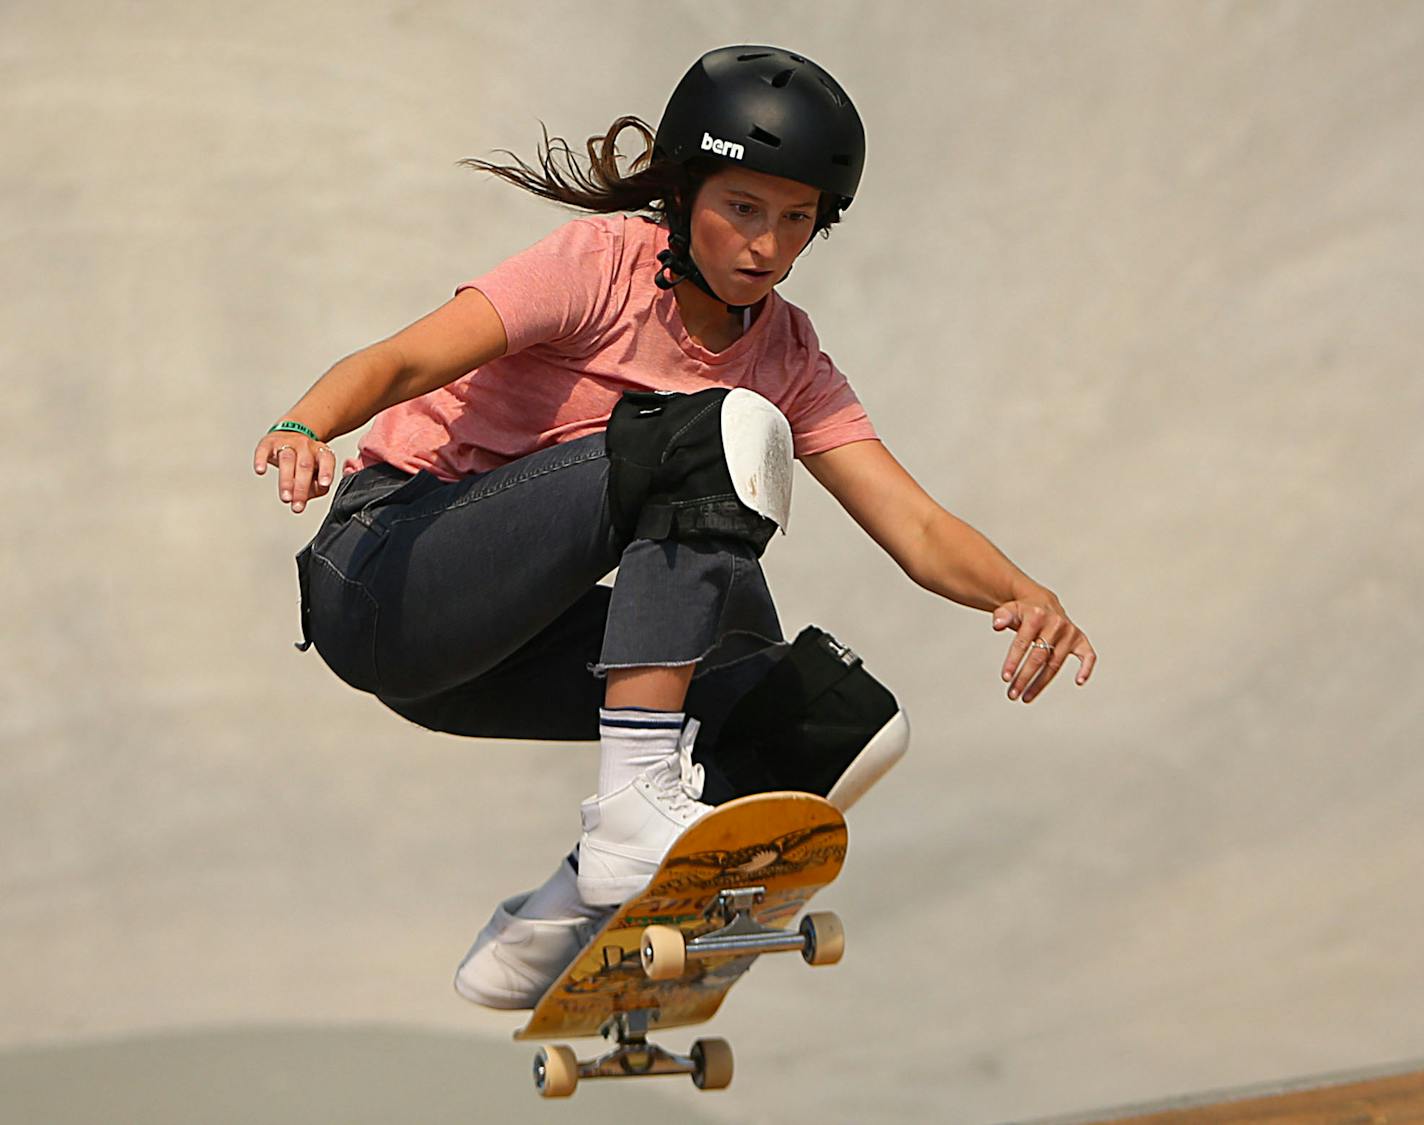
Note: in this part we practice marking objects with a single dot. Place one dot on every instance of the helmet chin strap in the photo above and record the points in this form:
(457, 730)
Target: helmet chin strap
(678, 266)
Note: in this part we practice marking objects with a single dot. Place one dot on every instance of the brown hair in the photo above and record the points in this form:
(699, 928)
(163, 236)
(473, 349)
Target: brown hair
(651, 186)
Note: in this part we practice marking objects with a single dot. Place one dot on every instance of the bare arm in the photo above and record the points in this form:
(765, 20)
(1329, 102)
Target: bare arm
(935, 549)
(944, 555)
(440, 347)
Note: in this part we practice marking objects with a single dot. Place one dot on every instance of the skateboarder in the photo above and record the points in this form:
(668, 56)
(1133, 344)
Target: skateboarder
(630, 392)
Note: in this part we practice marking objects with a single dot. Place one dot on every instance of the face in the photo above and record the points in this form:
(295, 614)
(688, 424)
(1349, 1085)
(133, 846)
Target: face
(747, 228)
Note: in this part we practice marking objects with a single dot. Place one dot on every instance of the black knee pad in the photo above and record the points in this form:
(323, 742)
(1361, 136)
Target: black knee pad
(668, 476)
(801, 727)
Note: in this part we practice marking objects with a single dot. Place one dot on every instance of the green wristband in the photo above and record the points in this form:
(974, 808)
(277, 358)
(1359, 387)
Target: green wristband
(296, 428)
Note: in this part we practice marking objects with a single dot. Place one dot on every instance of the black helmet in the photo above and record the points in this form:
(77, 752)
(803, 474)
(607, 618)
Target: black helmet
(762, 108)
(769, 110)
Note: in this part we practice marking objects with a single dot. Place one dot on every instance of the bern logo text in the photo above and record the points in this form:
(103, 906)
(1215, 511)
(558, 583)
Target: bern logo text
(722, 148)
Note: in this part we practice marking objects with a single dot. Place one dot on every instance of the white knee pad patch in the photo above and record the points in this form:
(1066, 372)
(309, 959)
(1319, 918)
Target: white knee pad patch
(756, 439)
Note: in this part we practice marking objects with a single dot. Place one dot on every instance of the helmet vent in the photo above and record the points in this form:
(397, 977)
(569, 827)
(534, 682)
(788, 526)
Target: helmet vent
(759, 134)
(749, 58)
(783, 78)
(797, 58)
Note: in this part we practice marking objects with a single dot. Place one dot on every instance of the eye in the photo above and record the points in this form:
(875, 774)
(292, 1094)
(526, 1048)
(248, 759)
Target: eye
(742, 208)
(800, 216)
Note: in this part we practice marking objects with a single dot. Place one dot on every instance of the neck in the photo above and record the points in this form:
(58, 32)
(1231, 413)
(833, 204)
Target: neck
(705, 316)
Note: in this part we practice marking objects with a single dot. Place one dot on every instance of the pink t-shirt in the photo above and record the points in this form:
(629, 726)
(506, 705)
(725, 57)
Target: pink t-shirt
(585, 323)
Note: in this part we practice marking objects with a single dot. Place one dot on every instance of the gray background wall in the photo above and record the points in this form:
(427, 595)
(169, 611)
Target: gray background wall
(1134, 288)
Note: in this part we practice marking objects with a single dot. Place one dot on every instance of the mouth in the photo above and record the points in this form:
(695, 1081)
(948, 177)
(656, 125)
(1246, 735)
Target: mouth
(754, 275)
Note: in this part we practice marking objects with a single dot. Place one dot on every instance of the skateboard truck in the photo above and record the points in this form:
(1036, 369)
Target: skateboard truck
(665, 950)
(557, 1072)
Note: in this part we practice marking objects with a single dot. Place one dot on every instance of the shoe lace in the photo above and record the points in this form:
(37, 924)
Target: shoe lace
(681, 789)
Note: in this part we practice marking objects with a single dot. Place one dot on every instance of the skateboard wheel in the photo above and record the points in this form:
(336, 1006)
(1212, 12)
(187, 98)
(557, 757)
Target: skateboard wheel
(555, 1072)
(825, 938)
(664, 952)
(713, 1059)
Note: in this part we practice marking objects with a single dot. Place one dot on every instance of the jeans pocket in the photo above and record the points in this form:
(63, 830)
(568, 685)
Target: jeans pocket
(380, 513)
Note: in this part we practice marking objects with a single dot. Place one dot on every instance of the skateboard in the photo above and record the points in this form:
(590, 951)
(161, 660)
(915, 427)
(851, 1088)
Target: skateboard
(725, 893)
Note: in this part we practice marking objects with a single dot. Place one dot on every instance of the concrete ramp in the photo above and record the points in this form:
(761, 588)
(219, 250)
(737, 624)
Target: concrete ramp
(1132, 287)
(1394, 1096)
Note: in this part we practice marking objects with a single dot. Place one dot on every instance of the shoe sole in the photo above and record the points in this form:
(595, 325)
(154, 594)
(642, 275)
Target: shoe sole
(612, 890)
(505, 1002)
(877, 758)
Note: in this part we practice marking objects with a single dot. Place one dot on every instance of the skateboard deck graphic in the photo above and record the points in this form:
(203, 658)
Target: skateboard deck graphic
(789, 845)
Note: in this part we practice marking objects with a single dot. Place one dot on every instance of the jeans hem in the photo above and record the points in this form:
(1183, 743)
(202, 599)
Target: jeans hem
(601, 669)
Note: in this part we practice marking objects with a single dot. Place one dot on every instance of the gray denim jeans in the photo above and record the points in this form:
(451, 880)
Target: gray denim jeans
(475, 607)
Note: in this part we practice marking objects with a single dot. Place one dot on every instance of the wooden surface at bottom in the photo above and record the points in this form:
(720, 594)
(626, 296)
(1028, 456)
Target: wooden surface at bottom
(1390, 1099)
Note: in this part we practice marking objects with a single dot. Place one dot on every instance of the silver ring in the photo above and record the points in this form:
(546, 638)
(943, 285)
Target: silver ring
(1039, 642)
(282, 447)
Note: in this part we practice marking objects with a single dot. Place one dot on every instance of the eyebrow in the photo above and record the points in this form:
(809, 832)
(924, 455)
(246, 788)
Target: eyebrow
(759, 199)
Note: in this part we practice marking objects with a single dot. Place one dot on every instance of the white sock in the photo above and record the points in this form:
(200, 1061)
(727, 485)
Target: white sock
(633, 739)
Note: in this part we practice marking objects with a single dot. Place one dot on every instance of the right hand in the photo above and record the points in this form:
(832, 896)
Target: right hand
(305, 468)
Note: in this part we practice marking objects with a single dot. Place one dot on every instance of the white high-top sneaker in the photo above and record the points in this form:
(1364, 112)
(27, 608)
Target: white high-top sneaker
(529, 941)
(514, 960)
(627, 832)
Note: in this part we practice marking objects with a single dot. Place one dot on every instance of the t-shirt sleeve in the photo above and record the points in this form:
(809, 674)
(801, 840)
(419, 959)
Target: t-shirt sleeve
(557, 290)
(826, 412)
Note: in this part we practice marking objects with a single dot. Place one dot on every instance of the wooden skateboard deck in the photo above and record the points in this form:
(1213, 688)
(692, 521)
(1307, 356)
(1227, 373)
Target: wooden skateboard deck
(791, 844)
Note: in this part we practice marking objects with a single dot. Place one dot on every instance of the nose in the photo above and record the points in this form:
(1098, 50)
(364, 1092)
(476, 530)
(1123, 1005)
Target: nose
(764, 244)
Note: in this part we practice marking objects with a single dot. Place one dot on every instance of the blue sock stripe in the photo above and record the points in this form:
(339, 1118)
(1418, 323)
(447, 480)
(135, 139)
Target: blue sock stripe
(639, 718)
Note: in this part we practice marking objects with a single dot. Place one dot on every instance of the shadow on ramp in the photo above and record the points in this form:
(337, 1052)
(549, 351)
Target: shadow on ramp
(302, 1076)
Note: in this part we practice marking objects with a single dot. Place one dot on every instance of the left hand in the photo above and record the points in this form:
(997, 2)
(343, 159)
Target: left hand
(1043, 641)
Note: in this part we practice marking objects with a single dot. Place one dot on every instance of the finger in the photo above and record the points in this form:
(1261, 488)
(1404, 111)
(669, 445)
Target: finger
(1054, 635)
(285, 456)
(1030, 623)
(260, 455)
(1036, 659)
(302, 478)
(320, 471)
(1089, 659)
(1007, 617)
(1051, 667)
(325, 469)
